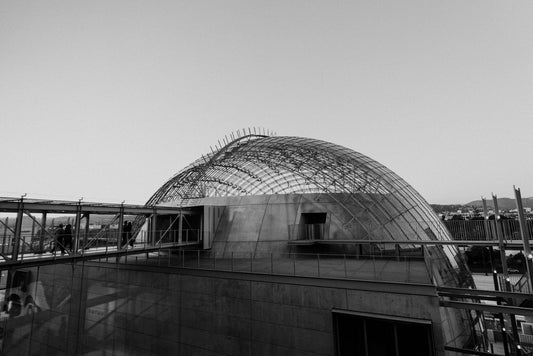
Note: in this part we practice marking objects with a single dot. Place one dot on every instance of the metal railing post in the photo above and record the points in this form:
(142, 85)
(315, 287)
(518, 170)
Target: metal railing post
(22, 248)
(5, 235)
(345, 270)
(374, 264)
(408, 264)
(318, 263)
(198, 264)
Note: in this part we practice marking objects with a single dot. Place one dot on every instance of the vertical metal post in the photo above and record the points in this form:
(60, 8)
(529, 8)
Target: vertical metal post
(504, 336)
(500, 315)
(525, 237)
(22, 249)
(180, 228)
(488, 235)
(398, 252)
(120, 230)
(145, 237)
(87, 230)
(77, 224)
(43, 232)
(495, 280)
(32, 230)
(345, 270)
(515, 335)
(5, 235)
(408, 267)
(126, 257)
(500, 236)
(120, 226)
(201, 232)
(374, 264)
(318, 263)
(18, 228)
(154, 227)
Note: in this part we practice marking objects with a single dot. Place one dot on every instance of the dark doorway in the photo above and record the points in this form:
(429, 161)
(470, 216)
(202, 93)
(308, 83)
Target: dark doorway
(313, 226)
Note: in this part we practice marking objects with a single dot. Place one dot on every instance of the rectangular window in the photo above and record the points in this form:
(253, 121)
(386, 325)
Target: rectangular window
(313, 225)
(361, 334)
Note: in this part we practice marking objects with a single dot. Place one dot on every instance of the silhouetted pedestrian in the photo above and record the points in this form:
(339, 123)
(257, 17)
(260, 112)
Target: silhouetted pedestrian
(68, 237)
(60, 240)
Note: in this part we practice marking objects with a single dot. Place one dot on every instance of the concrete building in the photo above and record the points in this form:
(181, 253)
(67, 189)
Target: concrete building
(305, 248)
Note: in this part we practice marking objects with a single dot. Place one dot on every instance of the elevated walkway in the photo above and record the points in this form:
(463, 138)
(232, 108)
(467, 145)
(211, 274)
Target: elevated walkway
(27, 238)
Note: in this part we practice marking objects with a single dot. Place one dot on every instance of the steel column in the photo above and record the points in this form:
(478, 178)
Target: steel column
(153, 227)
(120, 226)
(77, 225)
(18, 229)
(524, 231)
(87, 229)
(180, 228)
(5, 234)
(43, 232)
(488, 236)
(499, 233)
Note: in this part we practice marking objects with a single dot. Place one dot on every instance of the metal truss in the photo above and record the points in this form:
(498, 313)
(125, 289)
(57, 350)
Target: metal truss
(372, 196)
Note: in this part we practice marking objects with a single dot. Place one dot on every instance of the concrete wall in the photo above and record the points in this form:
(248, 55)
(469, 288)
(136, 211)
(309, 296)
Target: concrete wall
(264, 223)
(137, 310)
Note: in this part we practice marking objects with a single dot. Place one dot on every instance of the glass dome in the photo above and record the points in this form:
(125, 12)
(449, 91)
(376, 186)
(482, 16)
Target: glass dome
(373, 198)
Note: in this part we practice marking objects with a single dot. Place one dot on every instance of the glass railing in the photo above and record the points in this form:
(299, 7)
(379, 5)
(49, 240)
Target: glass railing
(401, 269)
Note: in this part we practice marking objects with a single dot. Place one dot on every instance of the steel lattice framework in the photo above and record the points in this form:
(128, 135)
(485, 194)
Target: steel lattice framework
(374, 197)
(258, 164)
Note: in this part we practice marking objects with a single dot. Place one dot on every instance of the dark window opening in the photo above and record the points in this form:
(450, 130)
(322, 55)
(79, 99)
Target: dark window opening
(313, 226)
(362, 335)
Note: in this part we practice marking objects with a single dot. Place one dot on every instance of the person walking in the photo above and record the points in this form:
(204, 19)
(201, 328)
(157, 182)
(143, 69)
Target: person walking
(67, 237)
(60, 242)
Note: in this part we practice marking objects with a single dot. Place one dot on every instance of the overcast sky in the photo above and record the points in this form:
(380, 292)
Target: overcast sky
(108, 99)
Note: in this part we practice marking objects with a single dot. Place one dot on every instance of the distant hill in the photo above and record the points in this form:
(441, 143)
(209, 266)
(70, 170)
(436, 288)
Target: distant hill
(503, 203)
(440, 208)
